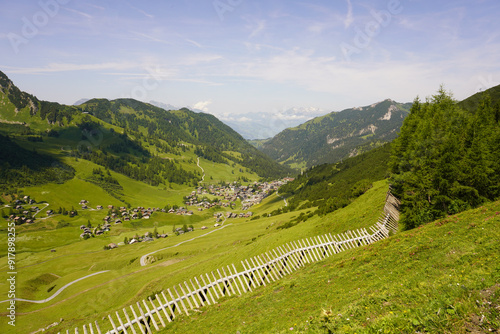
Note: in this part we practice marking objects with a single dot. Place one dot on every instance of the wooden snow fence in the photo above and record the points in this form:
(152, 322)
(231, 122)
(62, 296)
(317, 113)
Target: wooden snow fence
(262, 269)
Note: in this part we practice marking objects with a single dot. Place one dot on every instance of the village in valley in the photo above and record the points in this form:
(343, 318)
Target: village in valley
(233, 199)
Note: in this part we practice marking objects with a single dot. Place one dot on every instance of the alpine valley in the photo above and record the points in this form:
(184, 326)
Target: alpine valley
(119, 216)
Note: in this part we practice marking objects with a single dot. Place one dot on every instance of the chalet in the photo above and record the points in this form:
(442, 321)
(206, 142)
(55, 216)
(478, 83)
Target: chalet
(118, 221)
(99, 207)
(99, 232)
(49, 212)
(204, 227)
(146, 216)
(111, 207)
(83, 201)
(133, 241)
(216, 225)
(112, 245)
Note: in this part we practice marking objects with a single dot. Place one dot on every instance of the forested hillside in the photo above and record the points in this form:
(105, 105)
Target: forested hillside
(136, 139)
(338, 135)
(333, 186)
(446, 158)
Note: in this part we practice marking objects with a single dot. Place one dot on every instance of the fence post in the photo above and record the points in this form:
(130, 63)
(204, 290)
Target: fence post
(234, 280)
(181, 301)
(305, 252)
(128, 321)
(208, 289)
(293, 253)
(137, 320)
(157, 311)
(256, 273)
(196, 295)
(228, 281)
(174, 300)
(311, 250)
(248, 279)
(263, 269)
(239, 278)
(121, 323)
(144, 318)
(284, 260)
(226, 288)
(218, 286)
(170, 313)
(272, 266)
(203, 294)
(280, 265)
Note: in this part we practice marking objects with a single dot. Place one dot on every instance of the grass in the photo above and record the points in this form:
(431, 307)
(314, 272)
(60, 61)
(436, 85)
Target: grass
(441, 278)
(127, 281)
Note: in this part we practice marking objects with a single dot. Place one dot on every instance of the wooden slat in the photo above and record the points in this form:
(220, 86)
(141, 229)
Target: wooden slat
(239, 278)
(137, 320)
(190, 293)
(206, 301)
(144, 318)
(121, 323)
(112, 323)
(208, 289)
(128, 321)
(175, 303)
(234, 280)
(181, 301)
(218, 286)
(157, 310)
(170, 314)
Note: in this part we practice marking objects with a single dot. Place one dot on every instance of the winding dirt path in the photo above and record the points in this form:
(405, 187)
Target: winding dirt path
(202, 170)
(57, 292)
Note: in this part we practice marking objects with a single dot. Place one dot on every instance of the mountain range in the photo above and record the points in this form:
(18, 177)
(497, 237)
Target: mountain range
(337, 135)
(137, 139)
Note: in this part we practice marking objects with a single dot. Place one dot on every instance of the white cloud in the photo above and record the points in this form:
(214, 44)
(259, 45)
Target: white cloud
(202, 105)
(261, 25)
(348, 20)
(68, 67)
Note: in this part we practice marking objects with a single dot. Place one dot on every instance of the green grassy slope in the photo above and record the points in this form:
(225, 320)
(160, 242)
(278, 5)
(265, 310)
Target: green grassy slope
(443, 277)
(127, 281)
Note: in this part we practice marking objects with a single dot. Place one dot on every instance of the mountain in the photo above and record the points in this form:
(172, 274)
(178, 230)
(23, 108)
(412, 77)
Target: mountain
(136, 139)
(337, 135)
(472, 102)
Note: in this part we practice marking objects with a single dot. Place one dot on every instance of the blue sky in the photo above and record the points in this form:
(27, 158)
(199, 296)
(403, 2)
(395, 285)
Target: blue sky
(231, 57)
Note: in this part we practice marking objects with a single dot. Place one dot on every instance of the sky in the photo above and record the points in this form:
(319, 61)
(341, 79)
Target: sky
(236, 58)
